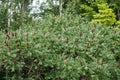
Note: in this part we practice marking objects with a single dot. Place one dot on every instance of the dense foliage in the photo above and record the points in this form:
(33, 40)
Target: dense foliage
(63, 45)
(105, 15)
(60, 48)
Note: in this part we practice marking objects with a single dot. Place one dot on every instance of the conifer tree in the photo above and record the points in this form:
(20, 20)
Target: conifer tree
(105, 15)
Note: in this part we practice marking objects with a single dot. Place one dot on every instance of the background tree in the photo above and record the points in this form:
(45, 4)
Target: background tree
(85, 8)
(14, 12)
(3, 16)
(50, 7)
(105, 15)
(115, 5)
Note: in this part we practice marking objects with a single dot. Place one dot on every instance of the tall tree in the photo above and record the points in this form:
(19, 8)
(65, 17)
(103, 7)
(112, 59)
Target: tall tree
(14, 9)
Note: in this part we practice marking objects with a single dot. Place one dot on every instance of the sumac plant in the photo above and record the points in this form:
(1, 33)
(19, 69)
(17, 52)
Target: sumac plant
(60, 48)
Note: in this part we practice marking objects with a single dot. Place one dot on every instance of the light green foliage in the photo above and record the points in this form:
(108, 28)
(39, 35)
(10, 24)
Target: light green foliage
(105, 15)
(60, 48)
(118, 24)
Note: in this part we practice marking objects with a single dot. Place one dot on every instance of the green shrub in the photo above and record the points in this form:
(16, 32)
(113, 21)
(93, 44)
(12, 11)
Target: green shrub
(105, 15)
(60, 48)
(118, 24)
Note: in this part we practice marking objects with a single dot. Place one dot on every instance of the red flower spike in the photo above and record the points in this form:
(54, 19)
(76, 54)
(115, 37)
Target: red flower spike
(92, 37)
(66, 40)
(80, 33)
(64, 29)
(14, 61)
(92, 30)
(59, 37)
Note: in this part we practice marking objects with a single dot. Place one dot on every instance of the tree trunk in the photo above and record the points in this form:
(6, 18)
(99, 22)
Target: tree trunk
(60, 7)
(9, 13)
